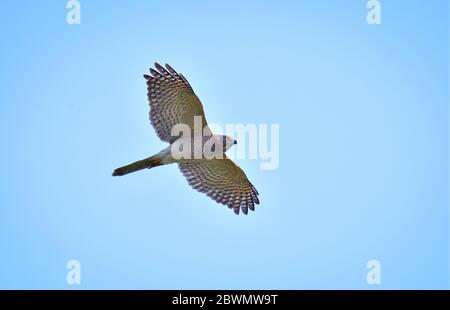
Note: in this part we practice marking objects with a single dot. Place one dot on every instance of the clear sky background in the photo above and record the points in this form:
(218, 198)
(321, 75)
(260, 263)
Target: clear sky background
(363, 174)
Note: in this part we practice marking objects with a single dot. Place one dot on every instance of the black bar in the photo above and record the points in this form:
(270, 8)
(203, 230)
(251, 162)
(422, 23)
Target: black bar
(222, 298)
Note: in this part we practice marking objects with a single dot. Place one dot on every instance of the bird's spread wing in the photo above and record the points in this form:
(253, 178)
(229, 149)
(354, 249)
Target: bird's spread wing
(172, 102)
(223, 181)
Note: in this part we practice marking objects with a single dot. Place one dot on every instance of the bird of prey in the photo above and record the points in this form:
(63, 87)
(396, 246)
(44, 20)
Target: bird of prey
(173, 102)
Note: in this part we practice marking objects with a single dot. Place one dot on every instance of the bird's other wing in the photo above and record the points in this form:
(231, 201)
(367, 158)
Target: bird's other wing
(223, 181)
(172, 101)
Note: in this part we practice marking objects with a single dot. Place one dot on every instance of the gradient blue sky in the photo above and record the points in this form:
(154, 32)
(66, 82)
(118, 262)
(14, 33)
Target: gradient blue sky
(363, 114)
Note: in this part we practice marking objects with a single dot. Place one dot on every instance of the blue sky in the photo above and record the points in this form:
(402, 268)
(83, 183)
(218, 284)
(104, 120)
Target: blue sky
(363, 116)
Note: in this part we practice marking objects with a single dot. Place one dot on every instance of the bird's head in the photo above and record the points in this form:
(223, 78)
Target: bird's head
(228, 142)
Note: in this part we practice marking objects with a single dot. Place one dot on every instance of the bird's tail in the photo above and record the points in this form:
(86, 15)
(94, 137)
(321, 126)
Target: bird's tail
(150, 162)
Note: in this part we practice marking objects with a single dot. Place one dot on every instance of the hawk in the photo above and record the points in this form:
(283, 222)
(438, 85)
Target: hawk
(173, 102)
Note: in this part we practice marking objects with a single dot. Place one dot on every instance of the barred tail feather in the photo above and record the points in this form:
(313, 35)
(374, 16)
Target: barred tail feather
(150, 162)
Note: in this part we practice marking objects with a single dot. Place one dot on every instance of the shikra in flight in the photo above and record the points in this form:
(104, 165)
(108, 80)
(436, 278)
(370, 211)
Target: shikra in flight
(176, 113)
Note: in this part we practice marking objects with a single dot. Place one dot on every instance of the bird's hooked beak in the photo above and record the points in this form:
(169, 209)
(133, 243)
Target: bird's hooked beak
(234, 142)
